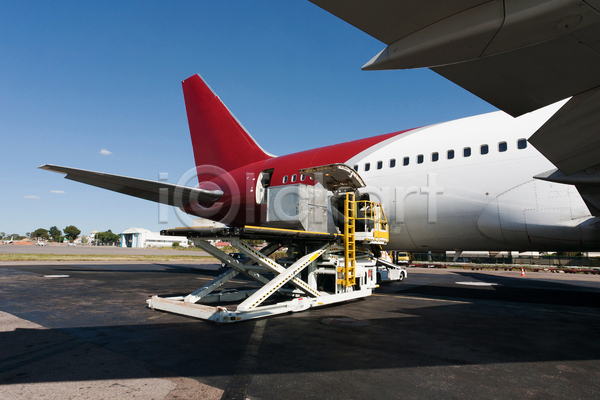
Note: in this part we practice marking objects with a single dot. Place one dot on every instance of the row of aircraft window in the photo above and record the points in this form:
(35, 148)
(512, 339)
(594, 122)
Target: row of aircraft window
(435, 156)
(294, 178)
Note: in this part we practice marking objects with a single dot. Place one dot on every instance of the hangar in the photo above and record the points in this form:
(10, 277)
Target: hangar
(142, 238)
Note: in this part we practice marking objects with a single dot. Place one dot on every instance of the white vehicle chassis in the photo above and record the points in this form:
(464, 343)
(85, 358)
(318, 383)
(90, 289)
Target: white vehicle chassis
(315, 278)
(321, 268)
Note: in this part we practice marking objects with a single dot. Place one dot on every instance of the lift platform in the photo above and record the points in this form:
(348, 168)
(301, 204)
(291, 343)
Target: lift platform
(320, 268)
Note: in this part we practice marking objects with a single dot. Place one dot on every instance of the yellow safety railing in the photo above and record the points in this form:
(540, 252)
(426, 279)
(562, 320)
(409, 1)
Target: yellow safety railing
(371, 218)
(371, 221)
(349, 269)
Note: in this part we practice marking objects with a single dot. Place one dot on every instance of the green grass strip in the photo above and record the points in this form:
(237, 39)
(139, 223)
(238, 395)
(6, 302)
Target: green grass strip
(101, 257)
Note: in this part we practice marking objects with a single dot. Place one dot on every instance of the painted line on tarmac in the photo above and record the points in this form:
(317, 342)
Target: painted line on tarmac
(421, 298)
(470, 283)
(237, 388)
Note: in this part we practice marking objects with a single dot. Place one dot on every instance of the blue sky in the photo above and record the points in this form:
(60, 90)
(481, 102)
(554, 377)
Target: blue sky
(79, 77)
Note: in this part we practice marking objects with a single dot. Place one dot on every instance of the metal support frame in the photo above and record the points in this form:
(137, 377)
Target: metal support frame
(285, 276)
(318, 259)
(348, 272)
(251, 306)
(274, 267)
(326, 267)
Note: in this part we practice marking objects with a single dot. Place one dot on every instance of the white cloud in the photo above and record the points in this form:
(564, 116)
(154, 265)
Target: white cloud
(31, 197)
(57, 191)
(105, 152)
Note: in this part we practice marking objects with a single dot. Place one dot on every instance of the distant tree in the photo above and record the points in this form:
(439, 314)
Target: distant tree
(40, 233)
(55, 233)
(28, 234)
(71, 232)
(15, 236)
(2, 234)
(107, 237)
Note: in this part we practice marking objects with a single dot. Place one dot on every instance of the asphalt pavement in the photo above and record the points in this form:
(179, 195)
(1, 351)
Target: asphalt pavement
(86, 333)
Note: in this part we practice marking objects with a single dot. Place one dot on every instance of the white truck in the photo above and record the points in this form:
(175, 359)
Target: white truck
(388, 272)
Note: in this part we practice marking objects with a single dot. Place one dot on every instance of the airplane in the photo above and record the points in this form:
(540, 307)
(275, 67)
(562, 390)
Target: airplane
(460, 185)
(11, 241)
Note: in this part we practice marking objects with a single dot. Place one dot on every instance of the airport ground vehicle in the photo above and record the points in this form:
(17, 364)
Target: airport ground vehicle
(387, 271)
(333, 255)
(403, 257)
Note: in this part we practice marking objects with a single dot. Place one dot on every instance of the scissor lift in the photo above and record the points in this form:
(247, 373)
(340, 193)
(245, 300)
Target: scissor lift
(321, 268)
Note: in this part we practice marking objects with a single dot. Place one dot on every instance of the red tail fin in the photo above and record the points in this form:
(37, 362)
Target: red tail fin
(217, 136)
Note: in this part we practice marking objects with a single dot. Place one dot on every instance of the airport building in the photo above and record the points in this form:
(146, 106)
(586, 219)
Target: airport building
(142, 238)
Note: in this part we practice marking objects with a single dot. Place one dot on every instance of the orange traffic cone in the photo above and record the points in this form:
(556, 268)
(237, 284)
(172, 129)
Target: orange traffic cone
(522, 272)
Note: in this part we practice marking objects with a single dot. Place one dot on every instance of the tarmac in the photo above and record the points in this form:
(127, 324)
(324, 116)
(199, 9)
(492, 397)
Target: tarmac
(81, 330)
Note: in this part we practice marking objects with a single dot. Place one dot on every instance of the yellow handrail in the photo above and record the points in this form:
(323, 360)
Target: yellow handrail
(349, 270)
(374, 218)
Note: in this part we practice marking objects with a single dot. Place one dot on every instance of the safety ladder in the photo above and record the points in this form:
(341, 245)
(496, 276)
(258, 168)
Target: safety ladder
(348, 271)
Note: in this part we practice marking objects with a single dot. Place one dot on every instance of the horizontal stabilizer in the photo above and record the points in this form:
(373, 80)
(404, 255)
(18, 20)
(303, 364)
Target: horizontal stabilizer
(159, 192)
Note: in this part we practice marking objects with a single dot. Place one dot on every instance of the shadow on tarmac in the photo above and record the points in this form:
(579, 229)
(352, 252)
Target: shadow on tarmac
(526, 323)
(457, 334)
(514, 289)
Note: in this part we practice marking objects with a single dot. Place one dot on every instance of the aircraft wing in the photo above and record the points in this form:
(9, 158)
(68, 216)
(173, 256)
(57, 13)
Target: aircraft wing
(159, 192)
(516, 55)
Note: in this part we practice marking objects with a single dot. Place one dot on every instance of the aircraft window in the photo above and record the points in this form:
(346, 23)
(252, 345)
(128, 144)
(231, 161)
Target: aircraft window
(450, 154)
(285, 179)
(420, 159)
(367, 166)
(485, 149)
(294, 178)
(521, 144)
(405, 161)
(435, 156)
(392, 163)
(302, 177)
(467, 152)
(379, 164)
(356, 167)
(502, 147)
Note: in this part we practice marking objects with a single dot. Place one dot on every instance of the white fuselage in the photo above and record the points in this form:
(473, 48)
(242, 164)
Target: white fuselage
(479, 202)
